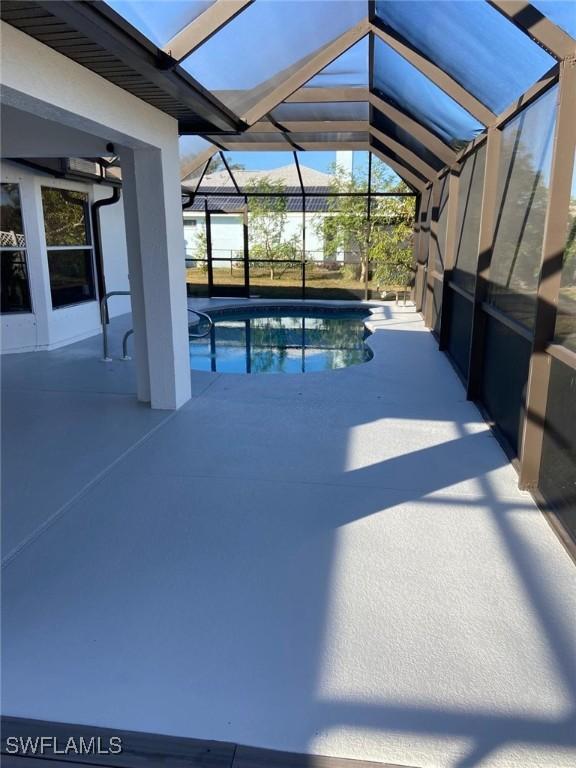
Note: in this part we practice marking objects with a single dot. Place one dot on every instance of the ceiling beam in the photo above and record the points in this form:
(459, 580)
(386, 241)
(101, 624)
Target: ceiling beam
(324, 146)
(406, 154)
(433, 72)
(320, 145)
(310, 126)
(538, 28)
(328, 95)
(311, 67)
(413, 181)
(255, 146)
(201, 29)
(426, 137)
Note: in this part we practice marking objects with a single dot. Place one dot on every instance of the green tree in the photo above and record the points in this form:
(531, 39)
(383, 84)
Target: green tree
(65, 216)
(392, 253)
(383, 239)
(267, 220)
(200, 249)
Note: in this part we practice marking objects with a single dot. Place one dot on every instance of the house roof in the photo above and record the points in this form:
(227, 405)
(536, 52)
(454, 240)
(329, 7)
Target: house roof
(287, 174)
(217, 202)
(215, 185)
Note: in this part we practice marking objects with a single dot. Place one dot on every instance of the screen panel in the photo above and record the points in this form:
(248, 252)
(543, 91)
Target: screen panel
(255, 138)
(437, 289)
(468, 224)
(523, 192)
(459, 331)
(399, 81)
(389, 127)
(326, 136)
(158, 20)
(349, 70)
(561, 12)
(558, 467)
(566, 318)
(289, 112)
(265, 44)
(396, 158)
(384, 178)
(490, 57)
(439, 242)
(504, 378)
(190, 148)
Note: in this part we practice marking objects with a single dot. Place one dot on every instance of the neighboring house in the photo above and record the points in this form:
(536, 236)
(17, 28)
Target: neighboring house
(53, 276)
(226, 215)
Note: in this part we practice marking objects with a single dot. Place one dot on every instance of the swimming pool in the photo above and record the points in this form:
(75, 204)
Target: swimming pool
(282, 340)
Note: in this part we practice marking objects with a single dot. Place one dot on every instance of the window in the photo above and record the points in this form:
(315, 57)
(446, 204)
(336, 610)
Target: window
(70, 257)
(15, 291)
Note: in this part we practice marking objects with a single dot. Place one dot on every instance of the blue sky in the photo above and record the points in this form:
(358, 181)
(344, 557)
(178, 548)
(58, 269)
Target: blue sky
(320, 161)
(263, 161)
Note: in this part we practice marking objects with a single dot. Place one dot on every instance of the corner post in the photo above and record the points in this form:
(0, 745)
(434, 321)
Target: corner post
(156, 260)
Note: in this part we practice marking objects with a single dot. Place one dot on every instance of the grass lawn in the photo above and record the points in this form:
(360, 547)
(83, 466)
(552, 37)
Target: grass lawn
(287, 283)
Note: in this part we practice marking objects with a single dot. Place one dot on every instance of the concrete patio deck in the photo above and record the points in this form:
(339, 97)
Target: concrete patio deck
(337, 563)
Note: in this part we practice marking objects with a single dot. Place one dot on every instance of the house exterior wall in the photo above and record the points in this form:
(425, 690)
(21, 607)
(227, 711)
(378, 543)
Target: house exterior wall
(38, 82)
(32, 71)
(227, 234)
(113, 234)
(47, 327)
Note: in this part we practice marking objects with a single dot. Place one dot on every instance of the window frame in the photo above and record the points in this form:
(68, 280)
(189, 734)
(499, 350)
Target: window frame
(19, 249)
(68, 186)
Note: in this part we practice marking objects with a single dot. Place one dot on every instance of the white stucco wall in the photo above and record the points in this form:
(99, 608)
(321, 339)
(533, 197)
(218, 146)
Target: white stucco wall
(43, 83)
(31, 70)
(113, 233)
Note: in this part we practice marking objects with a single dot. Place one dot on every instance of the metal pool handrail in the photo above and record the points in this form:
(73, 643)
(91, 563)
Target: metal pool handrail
(103, 314)
(210, 324)
(125, 356)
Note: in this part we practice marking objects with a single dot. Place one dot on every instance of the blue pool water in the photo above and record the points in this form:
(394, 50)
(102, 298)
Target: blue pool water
(281, 340)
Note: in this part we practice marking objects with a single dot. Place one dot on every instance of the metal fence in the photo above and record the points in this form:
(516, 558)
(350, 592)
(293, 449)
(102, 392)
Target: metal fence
(344, 277)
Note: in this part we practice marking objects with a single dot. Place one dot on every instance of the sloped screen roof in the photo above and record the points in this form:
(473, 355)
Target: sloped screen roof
(561, 12)
(473, 43)
(157, 19)
(400, 82)
(266, 41)
(304, 74)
